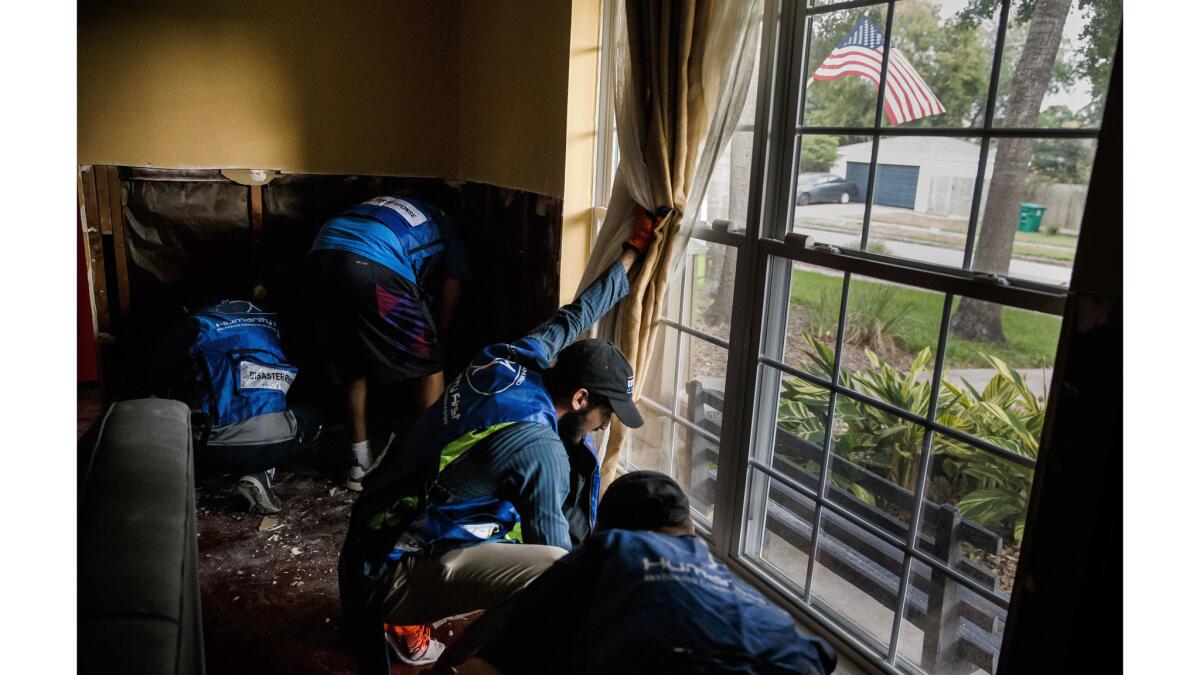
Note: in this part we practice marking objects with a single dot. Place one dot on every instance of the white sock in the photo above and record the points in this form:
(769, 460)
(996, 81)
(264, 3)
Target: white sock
(362, 453)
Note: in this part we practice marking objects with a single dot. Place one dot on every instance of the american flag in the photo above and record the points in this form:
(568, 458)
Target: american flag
(861, 53)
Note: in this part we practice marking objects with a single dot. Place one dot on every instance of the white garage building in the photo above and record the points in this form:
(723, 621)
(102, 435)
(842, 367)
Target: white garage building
(928, 174)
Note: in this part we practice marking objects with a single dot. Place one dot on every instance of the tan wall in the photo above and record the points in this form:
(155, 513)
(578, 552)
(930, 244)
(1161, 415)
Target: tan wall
(469, 89)
(513, 92)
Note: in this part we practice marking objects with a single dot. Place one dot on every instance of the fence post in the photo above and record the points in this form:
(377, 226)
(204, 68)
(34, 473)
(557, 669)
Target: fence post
(685, 462)
(939, 651)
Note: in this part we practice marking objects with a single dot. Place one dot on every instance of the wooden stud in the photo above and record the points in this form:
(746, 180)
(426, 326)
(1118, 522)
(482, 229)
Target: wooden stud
(95, 245)
(256, 225)
(121, 254)
(105, 219)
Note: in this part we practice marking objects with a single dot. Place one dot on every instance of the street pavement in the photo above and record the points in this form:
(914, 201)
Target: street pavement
(948, 255)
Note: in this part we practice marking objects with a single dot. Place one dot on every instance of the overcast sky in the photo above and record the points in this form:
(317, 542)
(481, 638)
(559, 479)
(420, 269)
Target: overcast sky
(1074, 98)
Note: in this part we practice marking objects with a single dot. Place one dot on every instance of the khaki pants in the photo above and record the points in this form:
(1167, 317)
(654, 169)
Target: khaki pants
(425, 589)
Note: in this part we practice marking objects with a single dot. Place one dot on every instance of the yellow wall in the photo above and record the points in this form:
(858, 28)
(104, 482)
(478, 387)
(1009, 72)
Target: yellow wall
(513, 92)
(459, 89)
(580, 145)
(368, 87)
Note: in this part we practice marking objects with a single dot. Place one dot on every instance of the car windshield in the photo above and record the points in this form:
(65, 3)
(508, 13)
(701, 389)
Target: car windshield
(810, 178)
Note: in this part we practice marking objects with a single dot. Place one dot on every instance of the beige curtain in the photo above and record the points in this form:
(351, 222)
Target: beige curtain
(682, 75)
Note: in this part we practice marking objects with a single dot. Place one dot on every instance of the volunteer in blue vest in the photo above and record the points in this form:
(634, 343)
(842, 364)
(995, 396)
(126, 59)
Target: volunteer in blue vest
(227, 363)
(645, 595)
(479, 497)
(384, 278)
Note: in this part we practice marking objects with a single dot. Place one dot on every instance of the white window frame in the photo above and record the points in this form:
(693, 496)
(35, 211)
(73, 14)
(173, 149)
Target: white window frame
(765, 252)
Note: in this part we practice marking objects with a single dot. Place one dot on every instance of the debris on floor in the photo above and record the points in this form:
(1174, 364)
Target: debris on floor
(269, 591)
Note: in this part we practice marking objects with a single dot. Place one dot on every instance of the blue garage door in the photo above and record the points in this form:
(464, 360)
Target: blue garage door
(895, 184)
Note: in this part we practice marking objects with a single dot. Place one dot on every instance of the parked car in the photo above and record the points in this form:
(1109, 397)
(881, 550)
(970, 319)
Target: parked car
(816, 188)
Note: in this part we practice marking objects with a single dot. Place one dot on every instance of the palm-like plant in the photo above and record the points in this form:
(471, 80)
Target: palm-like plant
(1006, 413)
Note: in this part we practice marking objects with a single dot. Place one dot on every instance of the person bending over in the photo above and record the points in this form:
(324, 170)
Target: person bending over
(227, 363)
(436, 530)
(645, 595)
(384, 280)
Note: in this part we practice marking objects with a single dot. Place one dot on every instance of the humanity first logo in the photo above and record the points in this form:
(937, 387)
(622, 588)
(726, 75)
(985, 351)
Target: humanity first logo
(490, 376)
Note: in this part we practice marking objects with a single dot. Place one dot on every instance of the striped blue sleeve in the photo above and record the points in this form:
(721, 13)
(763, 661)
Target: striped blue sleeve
(544, 480)
(594, 302)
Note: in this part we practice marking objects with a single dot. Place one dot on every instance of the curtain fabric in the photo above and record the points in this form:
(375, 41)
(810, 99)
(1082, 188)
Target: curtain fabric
(682, 74)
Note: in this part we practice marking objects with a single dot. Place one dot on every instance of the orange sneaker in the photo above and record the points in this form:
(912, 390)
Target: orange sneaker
(413, 644)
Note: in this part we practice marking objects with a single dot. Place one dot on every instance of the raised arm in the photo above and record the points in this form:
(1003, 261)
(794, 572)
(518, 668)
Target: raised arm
(599, 297)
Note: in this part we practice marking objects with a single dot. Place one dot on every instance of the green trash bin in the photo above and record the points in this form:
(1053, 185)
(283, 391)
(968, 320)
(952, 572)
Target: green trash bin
(1031, 217)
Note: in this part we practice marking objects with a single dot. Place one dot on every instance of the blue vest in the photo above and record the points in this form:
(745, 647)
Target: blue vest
(503, 385)
(243, 372)
(668, 599)
(414, 223)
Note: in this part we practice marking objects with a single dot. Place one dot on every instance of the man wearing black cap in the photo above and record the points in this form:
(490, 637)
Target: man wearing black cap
(645, 595)
(504, 456)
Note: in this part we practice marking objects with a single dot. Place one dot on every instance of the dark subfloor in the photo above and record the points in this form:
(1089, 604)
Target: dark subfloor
(268, 584)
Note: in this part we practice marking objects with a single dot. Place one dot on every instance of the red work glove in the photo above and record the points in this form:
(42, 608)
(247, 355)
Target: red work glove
(643, 231)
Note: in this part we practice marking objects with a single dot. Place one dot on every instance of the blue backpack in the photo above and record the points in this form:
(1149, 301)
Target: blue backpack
(242, 369)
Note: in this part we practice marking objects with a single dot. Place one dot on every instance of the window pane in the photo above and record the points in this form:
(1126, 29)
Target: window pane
(890, 342)
(999, 361)
(939, 66)
(728, 194)
(876, 460)
(840, 91)
(1032, 207)
(1067, 86)
(831, 186)
(672, 307)
(660, 376)
(813, 305)
(780, 532)
(802, 423)
(947, 627)
(650, 444)
(924, 186)
(709, 285)
(975, 509)
(702, 382)
(701, 402)
(696, 469)
(856, 579)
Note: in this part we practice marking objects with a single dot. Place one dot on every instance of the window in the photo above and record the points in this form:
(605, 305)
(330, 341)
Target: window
(855, 405)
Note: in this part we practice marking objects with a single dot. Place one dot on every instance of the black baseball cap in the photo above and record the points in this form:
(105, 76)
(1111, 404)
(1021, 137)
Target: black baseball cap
(601, 368)
(642, 500)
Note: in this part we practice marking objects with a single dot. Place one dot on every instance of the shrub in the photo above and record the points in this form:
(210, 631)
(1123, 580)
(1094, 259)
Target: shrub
(988, 490)
(874, 311)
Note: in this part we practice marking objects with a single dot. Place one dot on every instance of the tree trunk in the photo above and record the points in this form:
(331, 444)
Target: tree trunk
(974, 319)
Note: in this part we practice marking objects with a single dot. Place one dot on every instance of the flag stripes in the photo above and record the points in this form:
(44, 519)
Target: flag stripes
(906, 95)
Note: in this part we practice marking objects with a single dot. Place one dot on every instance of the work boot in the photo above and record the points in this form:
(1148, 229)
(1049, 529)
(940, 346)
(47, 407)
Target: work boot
(256, 488)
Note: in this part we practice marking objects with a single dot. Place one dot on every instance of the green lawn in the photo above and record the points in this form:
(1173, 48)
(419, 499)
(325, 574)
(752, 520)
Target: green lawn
(1032, 337)
(1047, 238)
(1047, 253)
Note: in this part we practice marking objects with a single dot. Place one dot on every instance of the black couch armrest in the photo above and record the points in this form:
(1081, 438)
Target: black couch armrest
(139, 592)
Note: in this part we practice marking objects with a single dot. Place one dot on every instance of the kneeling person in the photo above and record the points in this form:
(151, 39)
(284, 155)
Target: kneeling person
(644, 594)
(227, 363)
